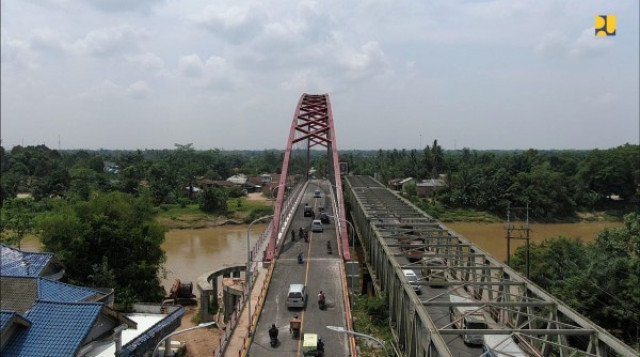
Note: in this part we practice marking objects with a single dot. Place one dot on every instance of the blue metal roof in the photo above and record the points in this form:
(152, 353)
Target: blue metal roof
(14, 262)
(7, 316)
(52, 290)
(57, 329)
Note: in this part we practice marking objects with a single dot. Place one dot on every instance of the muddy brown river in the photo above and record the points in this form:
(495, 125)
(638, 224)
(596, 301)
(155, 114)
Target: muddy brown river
(193, 252)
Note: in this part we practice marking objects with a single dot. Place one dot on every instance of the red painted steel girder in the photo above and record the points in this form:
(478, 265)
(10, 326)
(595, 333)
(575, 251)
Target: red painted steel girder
(312, 122)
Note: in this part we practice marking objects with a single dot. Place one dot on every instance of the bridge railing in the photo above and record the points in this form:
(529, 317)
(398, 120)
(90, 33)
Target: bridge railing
(260, 245)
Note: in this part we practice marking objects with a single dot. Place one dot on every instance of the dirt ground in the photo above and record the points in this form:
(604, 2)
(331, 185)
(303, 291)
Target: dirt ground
(257, 196)
(199, 342)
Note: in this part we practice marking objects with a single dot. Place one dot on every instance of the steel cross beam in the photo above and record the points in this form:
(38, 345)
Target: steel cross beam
(312, 122)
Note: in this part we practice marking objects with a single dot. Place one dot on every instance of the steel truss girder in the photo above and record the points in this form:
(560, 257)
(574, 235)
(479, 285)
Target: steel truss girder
(374, 202)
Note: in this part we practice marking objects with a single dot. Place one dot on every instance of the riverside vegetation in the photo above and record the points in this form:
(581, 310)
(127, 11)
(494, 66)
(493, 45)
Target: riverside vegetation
(83, 203)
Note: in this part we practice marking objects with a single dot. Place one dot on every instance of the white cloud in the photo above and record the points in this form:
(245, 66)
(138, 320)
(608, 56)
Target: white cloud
(235, 24)
(105, 91)
(46, 39)
(143, 6)
(15, 53)
(553, 44)
(191, 66)
(588, 44)
(118, 40)
(138, 90)
(146, 60)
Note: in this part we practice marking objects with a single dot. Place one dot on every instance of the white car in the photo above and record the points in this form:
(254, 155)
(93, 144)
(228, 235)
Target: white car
(316, 226)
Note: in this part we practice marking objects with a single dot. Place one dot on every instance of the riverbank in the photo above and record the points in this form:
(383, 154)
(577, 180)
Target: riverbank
(239, 211)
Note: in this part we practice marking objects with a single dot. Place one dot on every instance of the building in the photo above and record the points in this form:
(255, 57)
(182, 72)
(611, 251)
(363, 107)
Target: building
(428, 188)
(41, 316)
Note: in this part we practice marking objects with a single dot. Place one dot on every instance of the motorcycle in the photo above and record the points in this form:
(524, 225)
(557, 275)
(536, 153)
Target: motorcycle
(320, 348)
(322, 301)
(329, 247)
(300, 258)
(273, 335)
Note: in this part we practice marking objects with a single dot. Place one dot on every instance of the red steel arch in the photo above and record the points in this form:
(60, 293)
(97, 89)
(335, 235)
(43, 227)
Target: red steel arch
(313, 123)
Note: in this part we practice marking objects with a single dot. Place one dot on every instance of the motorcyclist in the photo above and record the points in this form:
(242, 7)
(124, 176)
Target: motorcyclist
(301, 232)
(321, 299)
(294, 326)
(320, 347)
(273, 332)
(300, 257)
(293, 235)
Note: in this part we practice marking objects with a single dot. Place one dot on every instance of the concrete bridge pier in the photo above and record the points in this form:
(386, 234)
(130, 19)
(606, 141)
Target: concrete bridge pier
(208, 288)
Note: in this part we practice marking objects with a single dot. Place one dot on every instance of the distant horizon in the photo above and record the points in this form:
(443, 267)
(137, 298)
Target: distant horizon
(8, 149)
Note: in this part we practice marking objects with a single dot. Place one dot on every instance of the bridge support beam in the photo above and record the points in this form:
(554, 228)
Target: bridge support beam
(312, 124)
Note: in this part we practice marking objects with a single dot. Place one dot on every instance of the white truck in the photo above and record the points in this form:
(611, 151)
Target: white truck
(501, 346)
(468, 317)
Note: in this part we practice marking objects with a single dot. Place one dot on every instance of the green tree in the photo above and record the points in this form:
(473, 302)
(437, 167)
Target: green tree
(213, 200)
(111, 237)
(17, 219)
(612, 284)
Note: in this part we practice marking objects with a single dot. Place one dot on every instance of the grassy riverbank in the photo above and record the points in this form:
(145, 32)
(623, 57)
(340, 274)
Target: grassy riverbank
(239, 210)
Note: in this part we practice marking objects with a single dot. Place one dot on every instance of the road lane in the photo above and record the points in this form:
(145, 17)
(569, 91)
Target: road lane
(320, 271)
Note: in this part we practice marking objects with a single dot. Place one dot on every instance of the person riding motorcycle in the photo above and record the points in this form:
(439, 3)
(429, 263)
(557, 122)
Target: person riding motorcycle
(294, 326)
(273, 332)
(320, 347)
(273, 335)
(321, 299)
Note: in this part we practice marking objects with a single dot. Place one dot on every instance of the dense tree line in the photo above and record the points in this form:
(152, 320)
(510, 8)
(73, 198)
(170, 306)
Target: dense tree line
(72, 192)
(600, 280)
(95, 210)
(555, 184)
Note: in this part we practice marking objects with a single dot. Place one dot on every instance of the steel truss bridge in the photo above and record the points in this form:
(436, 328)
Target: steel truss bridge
(396, 235)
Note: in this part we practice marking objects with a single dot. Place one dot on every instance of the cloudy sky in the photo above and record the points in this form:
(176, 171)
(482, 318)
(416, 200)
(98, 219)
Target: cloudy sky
(495, 74)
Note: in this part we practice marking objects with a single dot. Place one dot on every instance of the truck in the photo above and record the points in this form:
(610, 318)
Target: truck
(501, 346)
(432, 268)
(468, 317)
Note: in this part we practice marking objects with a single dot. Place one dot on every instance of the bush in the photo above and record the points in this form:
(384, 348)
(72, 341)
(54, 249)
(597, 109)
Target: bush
(258, 212)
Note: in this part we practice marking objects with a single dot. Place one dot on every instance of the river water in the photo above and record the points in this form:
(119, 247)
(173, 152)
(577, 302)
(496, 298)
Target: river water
(193, 252)
(491, 237)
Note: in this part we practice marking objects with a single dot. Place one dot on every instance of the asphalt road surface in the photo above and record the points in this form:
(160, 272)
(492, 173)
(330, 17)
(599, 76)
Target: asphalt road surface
(319, 271)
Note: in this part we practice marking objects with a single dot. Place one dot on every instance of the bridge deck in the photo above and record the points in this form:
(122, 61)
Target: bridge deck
(320, 271)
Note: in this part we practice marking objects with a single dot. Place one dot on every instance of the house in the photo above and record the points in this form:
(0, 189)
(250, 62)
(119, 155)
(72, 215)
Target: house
(238, 179)
(14, 262)
(428, 188)
(401, 184)
(40, 316)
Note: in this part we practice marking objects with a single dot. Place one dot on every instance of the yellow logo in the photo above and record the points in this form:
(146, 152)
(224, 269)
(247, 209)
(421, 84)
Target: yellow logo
(605, 25)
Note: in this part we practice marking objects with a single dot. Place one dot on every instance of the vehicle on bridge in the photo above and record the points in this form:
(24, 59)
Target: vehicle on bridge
(413, 279)
(324, 218)
(501, 346)
(468, 317)
(312, 345)
(316, 226)
(297, 296)
(432, 268)
(316, 194)
(308, 210)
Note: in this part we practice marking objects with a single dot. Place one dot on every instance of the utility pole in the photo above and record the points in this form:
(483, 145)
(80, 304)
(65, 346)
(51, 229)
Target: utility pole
(524, 232)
